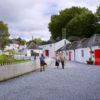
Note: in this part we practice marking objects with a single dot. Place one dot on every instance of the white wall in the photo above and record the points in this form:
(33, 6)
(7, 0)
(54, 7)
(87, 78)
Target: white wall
(87, 55)
(54, 47)
(11, 47)
(78, 55)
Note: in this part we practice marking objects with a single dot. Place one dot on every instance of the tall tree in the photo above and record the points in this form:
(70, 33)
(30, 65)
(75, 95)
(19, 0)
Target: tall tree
(67, 18)
(82, 25)
(4, 35)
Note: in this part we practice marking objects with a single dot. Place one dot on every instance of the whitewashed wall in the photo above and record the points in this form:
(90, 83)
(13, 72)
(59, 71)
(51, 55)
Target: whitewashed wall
(12, 46)
(78, 55)
(87, 55)
(54, 47)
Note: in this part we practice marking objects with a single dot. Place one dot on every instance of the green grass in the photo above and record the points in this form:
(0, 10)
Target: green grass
(19, 61)
(4, 59)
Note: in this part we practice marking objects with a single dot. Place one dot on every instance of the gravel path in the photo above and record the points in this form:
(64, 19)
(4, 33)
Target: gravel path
(75, 82)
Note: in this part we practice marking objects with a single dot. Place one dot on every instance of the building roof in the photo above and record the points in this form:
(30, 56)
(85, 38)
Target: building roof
(83, 43)
(74, 45)
(13, 41)
(86, 42)
(94, 40)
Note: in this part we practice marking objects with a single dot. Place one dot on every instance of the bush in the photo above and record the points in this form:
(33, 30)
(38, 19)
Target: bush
(90, 61)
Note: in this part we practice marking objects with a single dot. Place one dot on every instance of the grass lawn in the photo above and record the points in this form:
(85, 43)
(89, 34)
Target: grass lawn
(5, 59)
(19, 61)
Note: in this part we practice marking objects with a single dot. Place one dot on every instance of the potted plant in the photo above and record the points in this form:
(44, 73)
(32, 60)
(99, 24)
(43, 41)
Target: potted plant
(90, 61)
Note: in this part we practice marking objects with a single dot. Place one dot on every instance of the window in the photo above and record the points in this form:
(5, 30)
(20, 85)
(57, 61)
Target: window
(82, 52)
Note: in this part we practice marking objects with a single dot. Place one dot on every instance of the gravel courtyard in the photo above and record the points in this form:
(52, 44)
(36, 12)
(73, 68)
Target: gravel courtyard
(75, 82)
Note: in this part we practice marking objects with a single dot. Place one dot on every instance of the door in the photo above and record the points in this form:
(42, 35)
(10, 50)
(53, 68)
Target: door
(69, 55)
(97, 56)
(46, 52)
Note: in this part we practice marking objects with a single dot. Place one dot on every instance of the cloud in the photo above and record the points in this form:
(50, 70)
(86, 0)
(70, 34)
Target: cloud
(27, 18)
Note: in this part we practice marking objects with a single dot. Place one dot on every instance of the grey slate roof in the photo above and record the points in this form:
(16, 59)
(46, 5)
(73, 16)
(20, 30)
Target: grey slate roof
(94, 40)
(83, 43)
(74, 45)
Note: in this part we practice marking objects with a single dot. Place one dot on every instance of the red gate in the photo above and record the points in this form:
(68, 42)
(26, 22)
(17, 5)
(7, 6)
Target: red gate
(97, 56)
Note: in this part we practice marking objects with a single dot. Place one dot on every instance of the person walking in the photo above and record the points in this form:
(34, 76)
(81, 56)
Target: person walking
(62, 59)
(57, 60)
(42, 63)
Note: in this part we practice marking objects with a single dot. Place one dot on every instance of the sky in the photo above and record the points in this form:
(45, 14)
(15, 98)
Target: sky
(27, 18)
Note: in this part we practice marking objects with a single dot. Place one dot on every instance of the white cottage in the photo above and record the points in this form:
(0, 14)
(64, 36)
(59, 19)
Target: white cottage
(50, 49)
(85, 49)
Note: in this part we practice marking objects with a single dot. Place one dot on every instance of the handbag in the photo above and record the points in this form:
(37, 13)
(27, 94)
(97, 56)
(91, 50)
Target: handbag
(56, 63)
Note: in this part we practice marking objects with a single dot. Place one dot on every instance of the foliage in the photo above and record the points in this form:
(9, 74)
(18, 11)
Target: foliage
(98, 11)
(4, 35)
(21, 41)
(82, 25)
(37, 41)
(7, 59)
(77, 21)
(90, 61)
(11, 52)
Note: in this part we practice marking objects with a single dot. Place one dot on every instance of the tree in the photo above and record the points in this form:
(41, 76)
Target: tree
(67, 18)
(21, 41)
(82, 25)
(98, 11)
(4, 35)
(37, 41)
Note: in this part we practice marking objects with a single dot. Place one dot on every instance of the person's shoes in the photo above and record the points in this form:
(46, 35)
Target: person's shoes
(43, 69)
(63, 68)
(40, 70)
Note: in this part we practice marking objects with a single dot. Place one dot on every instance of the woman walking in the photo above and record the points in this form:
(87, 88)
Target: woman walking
(57, 60)
(62, 59)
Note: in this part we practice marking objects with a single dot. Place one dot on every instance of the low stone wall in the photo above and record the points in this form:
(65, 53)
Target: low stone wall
(14, 70)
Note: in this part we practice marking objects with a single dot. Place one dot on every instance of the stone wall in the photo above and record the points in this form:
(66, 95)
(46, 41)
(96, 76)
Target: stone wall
(14, 70)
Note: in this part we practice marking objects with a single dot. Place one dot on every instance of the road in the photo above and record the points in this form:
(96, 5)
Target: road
(75, 82)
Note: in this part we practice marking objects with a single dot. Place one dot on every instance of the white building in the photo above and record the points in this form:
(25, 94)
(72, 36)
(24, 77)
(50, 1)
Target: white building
(50, 49)
(85, 49)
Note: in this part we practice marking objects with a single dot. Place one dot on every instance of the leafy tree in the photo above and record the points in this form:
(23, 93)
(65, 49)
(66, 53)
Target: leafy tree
(21, 41)
(98, 11)
(82, 25)
(4, 35)
(68, 19)
(37, 41)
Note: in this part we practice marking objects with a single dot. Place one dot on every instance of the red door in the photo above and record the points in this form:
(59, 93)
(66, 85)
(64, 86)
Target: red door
(46, 52)
(69, 55)
(97, 56)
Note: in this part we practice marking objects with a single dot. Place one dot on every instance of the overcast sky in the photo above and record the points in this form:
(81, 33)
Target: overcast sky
(27, 18)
